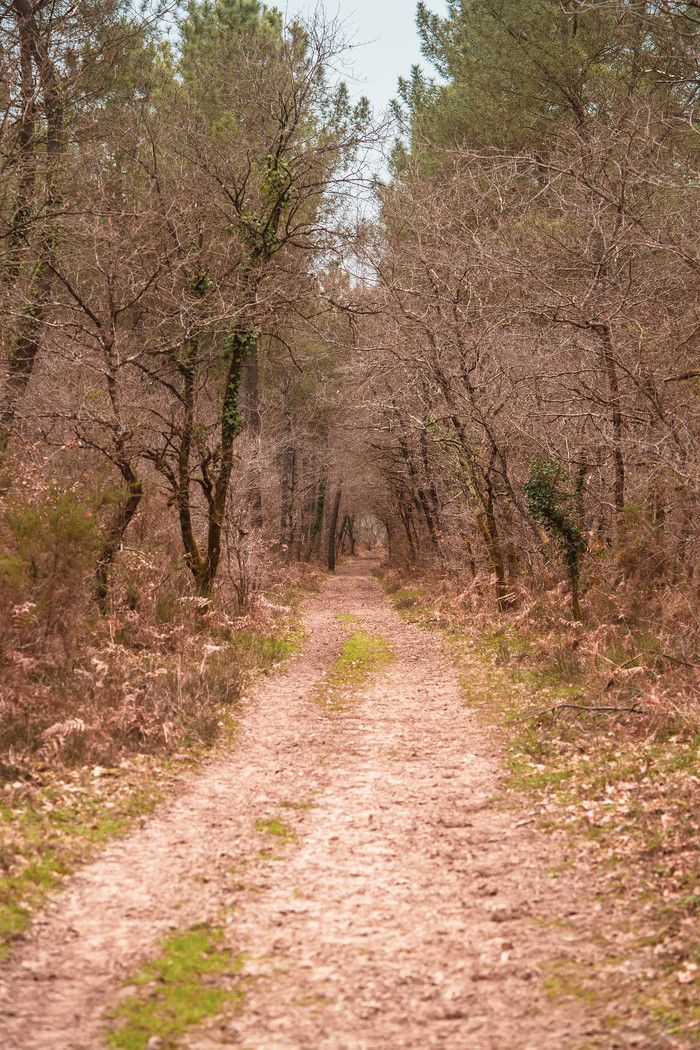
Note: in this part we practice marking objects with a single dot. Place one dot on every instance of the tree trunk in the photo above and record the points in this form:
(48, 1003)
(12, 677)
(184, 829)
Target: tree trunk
(204, 569)
(407, 522)
(480, 487)
(348, 531)
(608, 360)
(575, 598)
(343, 533)
(26, 144)
(471, 562)
(432, 490)
(115, 534)
(333, 530)
(193, 558)
(287, 485)
(253, 426)
(306, 516)
(231, 426)
(495, 551)
(420, 500)
(22, 357)
(320, 507)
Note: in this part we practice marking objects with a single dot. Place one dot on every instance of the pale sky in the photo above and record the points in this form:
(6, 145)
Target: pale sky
(385, 39)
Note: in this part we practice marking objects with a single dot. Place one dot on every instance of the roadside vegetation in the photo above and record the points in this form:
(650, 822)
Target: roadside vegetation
(618, 785)
(100, 777)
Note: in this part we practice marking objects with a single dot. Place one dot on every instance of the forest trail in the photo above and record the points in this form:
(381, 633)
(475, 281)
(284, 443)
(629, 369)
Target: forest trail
(404, 911)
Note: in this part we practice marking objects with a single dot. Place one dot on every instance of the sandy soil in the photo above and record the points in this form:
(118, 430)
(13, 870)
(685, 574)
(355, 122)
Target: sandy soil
(412, 912)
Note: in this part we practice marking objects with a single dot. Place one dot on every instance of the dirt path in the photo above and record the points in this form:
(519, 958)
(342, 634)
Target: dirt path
(406, 916)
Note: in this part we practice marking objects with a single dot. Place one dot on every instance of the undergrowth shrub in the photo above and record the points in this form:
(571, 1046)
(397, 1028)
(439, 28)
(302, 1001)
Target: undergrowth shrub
(629, 652)
(120, 699)
(47, 549)
(160, 673)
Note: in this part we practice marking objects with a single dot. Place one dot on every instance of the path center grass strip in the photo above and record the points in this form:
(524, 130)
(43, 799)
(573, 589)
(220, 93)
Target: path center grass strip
(362, 655)
(194, 977)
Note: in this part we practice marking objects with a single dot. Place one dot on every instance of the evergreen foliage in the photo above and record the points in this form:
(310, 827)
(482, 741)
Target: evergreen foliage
(549, 503)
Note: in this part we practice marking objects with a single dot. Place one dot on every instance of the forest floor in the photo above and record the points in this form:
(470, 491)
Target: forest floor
(353, 875)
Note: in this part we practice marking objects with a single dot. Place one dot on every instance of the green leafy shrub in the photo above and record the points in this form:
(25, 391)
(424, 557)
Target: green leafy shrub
(549, 503)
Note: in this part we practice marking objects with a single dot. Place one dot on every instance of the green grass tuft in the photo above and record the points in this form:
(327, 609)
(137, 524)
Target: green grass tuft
(362, 655)
(277, 828)
(189, 981)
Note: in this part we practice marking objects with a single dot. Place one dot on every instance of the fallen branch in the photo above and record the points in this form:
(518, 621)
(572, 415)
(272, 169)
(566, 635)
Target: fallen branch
(693, 374)
(634, 710)
(524, 821)
(668, 656)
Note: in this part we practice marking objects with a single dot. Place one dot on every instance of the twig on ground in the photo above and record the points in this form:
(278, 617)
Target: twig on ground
(523, 822)
(634, 710)
(673, 659)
